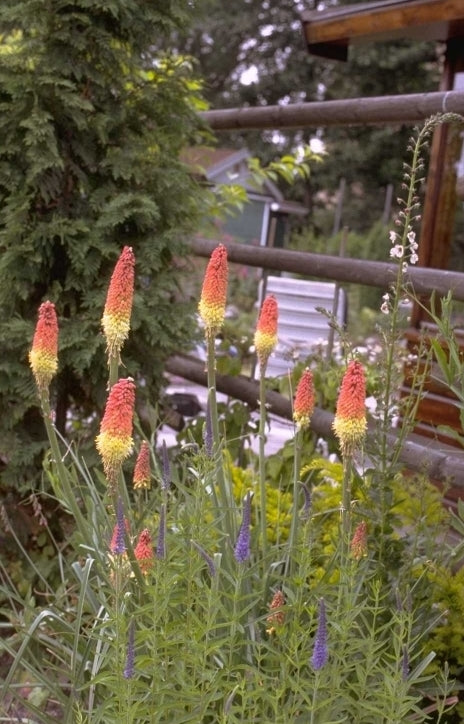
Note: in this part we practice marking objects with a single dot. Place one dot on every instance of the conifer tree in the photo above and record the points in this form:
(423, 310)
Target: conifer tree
(92, 120)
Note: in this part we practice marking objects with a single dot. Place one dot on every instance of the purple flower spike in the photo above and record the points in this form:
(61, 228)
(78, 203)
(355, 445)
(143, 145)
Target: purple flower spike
(118, 544)
(161, 544)
(321, 650)
(307, 502)
(129, 669)
(165, 468)
(242, 546)
(208, 432)
(206, 557)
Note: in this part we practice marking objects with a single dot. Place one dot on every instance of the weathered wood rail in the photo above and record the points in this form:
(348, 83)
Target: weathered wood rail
(382, 110)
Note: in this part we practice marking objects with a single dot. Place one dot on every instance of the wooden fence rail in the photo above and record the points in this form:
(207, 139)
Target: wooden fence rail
(423, 281)
(383, 110)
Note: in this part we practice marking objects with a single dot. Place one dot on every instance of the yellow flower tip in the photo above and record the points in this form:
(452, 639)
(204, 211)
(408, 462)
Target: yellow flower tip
(212, 305)
(266, 330)
(303, 406)
(43, 357)
(118, 306)
(350, 432)
(113, 450)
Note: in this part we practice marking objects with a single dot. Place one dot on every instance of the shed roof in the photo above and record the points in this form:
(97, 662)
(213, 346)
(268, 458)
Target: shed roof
(328, 33)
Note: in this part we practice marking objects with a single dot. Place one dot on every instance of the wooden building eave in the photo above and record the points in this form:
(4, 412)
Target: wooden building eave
(328, 33)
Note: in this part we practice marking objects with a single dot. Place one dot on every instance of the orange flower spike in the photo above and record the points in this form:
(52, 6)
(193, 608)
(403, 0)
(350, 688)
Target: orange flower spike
(143, 551)
(303, 405)
(276, 617)
(266, 330)
(118, 306)
(43, 357)
(358, 544)
(350, 422)
(142, 472)
(114, 443)
(212, 306)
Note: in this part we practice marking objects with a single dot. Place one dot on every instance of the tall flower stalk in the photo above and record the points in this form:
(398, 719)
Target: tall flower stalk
(212, 310)
(350, 427)
(265, 343)
(303, 408)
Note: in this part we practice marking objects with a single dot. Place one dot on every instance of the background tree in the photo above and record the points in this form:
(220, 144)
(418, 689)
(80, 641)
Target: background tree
(253, 53)
(92, 119)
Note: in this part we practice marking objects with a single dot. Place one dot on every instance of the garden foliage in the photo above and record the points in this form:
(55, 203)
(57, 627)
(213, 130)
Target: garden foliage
(208, 593)
(92, 121)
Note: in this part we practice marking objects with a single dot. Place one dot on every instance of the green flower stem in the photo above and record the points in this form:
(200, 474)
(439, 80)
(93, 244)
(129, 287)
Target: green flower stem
(225, 497)
(262, 459)
(113, 368)
(346, 510)
(293, 537)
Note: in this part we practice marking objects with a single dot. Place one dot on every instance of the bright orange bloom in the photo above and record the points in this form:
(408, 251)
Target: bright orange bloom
(142, 473)
(118, 306)
(212, 306)
(359, 541)
(276, 617)
(143, 551)
(43, 356)
(114, 443)
(350, 418)
(303, 405)
(266, 330)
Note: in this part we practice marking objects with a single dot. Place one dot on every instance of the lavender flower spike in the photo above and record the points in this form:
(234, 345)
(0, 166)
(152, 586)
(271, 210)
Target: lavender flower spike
(321, 650)
(118, 544)
(242, 546)
(161, 543)
(206, 557)
(129, 669)
(208, 432)
(165, 468)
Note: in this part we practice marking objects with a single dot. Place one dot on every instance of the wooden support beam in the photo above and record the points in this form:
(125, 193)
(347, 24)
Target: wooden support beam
(440, 463)
(381, 110)
(329, 32)
(357, 271)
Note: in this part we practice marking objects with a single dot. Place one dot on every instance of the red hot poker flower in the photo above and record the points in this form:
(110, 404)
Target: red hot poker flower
(358, 544)
(118, 306)
(43, 357)
(350, 418)
(266, 330)
(114, 443)
(143, 551)
(142, 473)
(303, 405)
(276, 617)
(212, 306)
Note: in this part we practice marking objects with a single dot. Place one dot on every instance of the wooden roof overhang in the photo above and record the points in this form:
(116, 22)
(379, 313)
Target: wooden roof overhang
(328, 33)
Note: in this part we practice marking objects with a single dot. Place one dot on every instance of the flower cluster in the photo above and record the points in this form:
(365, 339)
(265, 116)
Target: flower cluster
(142, 472)
(276, 616)
(242, 546)
(303, 405)
(350, 422)
(143, 551)
(321, 650)
(266, 331)
(118, 306)
(43, 356)
(212, 306)
(358, 544)
(114, 443)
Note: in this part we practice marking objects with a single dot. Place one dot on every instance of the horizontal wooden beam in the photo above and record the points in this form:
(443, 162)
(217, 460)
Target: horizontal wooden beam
(383, 110)
(440, 463)
(422, 280)
(386, 20)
